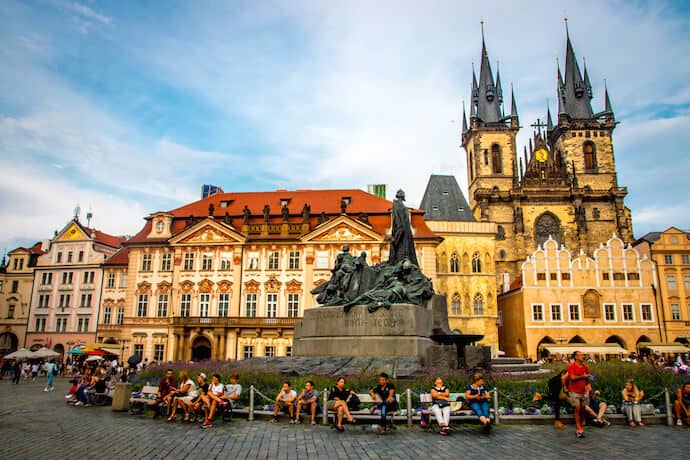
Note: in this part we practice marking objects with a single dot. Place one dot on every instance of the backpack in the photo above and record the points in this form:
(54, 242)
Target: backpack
(353, 402)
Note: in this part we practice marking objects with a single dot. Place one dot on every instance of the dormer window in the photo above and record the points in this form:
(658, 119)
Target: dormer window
(285, 201)
(160, 226)
(224, 203)
(445, 193)
(434, 208)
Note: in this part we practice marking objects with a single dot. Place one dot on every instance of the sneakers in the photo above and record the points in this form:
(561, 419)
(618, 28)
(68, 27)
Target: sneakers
(292, 422)
(275, 420)
(45, 390)
(313, 422)
(78, 403)
(298, 421)
(558, 424)
(679, 422)
(51, 389)
(444, 431)
(207, 424)
(580, 434)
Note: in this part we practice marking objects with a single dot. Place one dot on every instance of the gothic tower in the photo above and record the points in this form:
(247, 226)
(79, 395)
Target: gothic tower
(563, 187)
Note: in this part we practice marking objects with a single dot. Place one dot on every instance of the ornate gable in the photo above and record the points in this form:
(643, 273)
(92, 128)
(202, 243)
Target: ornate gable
(343, 229)
(208, 232)
(72, 232)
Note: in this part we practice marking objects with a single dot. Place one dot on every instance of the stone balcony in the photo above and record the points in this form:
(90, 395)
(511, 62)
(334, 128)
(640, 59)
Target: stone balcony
(235, 321)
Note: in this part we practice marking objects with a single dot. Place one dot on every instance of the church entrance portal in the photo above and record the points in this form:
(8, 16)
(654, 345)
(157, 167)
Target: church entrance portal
(201, 349)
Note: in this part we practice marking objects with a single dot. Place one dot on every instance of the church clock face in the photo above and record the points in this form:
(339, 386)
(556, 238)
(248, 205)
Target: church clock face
(541, 155)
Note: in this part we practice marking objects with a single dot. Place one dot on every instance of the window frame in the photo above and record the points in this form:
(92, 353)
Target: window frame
(223, 304)
(273, 260)
(188, 262)
(559, 311)
(250, 301)
(613, 309)
(570, 312)
(204, 304)
(294, 258)
(162, 305)
(642, 312)
(185, 305)
(142, 305)
(271, 305)
(293, 304)
(631, 311)
(537, 308)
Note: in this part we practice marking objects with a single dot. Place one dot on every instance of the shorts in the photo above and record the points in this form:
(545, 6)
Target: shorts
(578, 399)
(330, 404)
(187, 399)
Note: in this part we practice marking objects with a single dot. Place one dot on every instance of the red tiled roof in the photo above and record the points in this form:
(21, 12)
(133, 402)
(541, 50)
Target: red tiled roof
(37, 248)
(320, 201)
(119, 258)
(516, 283)
(104, 238)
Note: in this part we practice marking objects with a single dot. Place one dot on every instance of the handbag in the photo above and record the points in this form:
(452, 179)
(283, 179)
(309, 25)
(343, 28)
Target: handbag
(441, 403)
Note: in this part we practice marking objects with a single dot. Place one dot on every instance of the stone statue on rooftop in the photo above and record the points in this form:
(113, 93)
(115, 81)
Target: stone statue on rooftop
(402, 242)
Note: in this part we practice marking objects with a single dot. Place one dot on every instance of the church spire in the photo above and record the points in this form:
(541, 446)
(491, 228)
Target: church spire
(514, 120)
(608, 108)
(560, 89)
(588, 85)
(488, 97)
(499, 89)
(549, 121)
(575, 90)
(464, 119)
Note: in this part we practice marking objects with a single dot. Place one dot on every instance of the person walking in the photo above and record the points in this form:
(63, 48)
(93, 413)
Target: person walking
(578, 377)
(51, 372)
(17, 372)
(556, 389)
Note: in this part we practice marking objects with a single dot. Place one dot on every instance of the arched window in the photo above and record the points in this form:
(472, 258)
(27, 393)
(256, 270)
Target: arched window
(454, 263)
(476, 263)
(478, 304)
(500, 233)
(547, 225)
(590, 155)
(496, 159)
(455, 304)
(486, 157)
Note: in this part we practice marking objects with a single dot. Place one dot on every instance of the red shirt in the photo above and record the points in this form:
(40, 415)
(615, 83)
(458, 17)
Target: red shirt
(577, 386)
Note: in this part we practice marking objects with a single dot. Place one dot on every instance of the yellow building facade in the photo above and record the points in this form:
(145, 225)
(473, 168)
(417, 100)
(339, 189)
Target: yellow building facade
(670, 250)
(465, 265)
(564, 298)
(227, 277)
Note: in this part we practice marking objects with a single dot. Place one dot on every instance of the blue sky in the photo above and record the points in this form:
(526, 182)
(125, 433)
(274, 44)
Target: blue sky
(128, 107)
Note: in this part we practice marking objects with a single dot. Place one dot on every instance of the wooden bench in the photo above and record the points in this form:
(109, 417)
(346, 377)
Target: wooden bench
(457, 413)
(148, 398)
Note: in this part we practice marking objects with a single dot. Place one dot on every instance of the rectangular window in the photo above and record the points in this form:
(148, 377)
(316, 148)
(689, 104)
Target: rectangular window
(162, 310)
(322, 260)
(541, 276)
(556, 313)
(204, 304)
(15, 287)
(80, 257)
(609, 312)
(43, 300)
(40, 324)
(293, 260)
(207, 261)
(634, 276)
(58, 259)
(274, 260)
(646, 310)
(537, 312)
(89, 277)
(10, 311)
(253, 261)
(83, 324)
(166, 262)
(139, 349)
(605, 276)
(671, 283)
(675, 312)
(61, 324)
(565, 276)
(185, 304)
(223, 304)
(188, 261)
(110, 281)
(67, 277)
(158, 350)
(226, 260)
(146, 263)
(553, 276)
(65, 300)
(685, 259)
(123, 280)
(86, 300)
(120, 315)
(271, 305)
(293, 305)
(69, 257)
(250, 305)
(686, 283)
(1, 283)
(247, 352)
(46, 278)
(628, 314)
(269, 352)
(668, 259)
(142, 305)
(288, 351)
(618, 276)
(107, 312)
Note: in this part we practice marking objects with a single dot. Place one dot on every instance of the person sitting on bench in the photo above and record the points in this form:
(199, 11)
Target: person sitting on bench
(233, 391)
(337, 402)
(384, 394)
(286, 398)
(166, 388)
(479, 397)
(212, 399)
(440, 395)
(307, 399)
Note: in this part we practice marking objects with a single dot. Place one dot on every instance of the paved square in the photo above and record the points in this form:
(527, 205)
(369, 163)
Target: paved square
(36, 425)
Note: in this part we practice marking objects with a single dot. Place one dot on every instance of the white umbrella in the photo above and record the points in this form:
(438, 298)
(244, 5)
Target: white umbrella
(94, 358)
(45, 353)
(22, 353)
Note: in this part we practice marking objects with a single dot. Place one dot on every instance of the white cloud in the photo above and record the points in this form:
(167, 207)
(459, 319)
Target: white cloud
(84, 11)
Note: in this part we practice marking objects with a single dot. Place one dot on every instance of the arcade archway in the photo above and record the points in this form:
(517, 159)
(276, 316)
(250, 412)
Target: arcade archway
(8, 343)
(201, 349)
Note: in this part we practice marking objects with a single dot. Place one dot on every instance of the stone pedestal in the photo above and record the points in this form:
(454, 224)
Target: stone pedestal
(121, 396)
(402, 331)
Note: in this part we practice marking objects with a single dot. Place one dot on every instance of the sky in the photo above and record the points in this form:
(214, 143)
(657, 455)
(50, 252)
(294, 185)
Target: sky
(127, 108)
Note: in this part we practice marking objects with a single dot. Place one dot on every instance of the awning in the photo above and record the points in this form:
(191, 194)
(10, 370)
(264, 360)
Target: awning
(665, 347)
(603, 349)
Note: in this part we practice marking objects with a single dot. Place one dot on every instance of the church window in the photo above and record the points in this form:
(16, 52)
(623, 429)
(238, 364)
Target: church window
(590, 156)
(478, 304)
(454, 263)
(547, 225)
(596, 213)
(455, 304)
(501, 254)
(476, 263)
(496, 159)
(500, 233)
(486, 157)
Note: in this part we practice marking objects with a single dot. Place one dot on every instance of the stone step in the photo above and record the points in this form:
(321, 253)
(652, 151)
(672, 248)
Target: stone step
(514, 367)
(507, 361)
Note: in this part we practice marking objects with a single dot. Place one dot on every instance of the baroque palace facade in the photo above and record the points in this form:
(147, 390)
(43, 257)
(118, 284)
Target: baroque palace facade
(227, 277)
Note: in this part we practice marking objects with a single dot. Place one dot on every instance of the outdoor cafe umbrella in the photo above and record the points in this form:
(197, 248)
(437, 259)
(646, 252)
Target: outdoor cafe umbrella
(75, 351)
(44, 352)
(95, 353)
(94, 358)
(134, 360)
(22, 353)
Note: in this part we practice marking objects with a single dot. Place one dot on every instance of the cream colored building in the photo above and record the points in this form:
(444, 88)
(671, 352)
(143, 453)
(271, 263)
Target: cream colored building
(564, 298)
(16, 279)
(670, 250)
(227, 277)
(465, 265)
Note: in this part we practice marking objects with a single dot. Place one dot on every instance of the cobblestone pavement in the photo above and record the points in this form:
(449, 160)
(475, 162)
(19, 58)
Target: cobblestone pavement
(35, 425)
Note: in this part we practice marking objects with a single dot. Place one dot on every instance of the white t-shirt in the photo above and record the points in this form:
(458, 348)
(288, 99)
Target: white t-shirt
(216, 389)
(192, 392)
(288, 396)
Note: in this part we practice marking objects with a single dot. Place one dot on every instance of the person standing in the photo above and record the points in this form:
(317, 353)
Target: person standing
(17, 372)
(51, 372)
(556, 387)
(578, 377)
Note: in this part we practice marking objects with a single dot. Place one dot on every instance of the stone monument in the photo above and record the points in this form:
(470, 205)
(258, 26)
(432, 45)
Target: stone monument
(384, 310)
